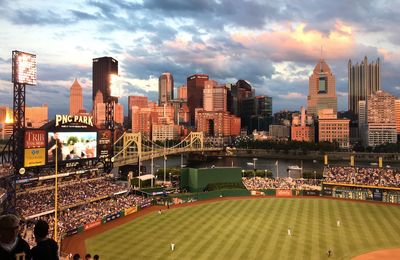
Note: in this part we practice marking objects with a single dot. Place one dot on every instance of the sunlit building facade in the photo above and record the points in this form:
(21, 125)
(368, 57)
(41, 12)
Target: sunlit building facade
(363, 81)
(381, 119)
(165, 88)
(75, 98)
(322, 89)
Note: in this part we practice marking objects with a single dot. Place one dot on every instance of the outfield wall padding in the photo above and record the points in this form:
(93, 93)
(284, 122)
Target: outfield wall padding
(223, 193)
(269, 192)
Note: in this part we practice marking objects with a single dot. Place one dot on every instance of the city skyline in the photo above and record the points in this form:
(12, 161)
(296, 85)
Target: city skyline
(274, 46)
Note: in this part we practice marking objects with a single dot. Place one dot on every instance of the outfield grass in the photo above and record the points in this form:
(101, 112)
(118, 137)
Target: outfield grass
(254, 229)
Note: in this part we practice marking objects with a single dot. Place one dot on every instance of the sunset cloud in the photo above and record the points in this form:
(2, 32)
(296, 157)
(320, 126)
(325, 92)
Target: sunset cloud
(272, 44)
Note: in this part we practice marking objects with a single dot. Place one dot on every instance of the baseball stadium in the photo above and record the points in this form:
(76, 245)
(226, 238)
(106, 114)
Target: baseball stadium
(346, 212)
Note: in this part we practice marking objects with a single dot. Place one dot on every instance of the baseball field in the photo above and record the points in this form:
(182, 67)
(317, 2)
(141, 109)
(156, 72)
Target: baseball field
(254, 229)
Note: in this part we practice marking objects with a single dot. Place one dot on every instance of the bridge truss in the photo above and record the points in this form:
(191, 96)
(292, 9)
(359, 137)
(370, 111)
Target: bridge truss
(131, 148)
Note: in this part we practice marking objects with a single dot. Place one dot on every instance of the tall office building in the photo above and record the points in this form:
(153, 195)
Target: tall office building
(214, 96)
(362, 120)
(103, 68)
(256, 113)
(238, 92)
(322, 89)
(381, 118)
(182, 93)
(99, 110)
(75, 98)
(363, 81)
(397, 113)
(195, 86)
(139, 101)
(165, 88)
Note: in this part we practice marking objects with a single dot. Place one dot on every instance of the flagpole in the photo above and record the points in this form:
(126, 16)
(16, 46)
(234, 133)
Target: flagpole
(56, 196)
(277, 169)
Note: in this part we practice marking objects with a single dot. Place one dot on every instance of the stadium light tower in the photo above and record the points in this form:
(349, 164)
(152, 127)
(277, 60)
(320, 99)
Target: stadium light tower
(24, 73)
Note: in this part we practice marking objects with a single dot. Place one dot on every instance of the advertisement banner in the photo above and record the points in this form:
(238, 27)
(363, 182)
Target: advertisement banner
(129, 211)
(145, 205)
(311, 192)
(352, 161)
(93, 224)
(257, 193)
(35, 139)
(104, 143)
(283, 193)
(72, 232)
(377, 194)
(113, 217)
(327, 191)
(34, 157)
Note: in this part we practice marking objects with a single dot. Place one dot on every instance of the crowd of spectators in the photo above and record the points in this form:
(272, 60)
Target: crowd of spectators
(260, 183)
(31, 203)
(85, 214)
(5, 170)
(386, 177)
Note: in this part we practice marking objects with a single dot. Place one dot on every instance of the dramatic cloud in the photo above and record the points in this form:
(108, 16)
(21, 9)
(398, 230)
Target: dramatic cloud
(272, 44)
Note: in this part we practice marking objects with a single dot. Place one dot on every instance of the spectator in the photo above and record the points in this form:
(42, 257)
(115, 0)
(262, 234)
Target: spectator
(11, 244)
(46, 248)
(363, 176)
(77, 257)
(259, 183)
(88, 257)
(96, 257)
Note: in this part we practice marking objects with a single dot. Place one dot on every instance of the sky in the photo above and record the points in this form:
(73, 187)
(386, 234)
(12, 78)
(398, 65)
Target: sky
(274, 45)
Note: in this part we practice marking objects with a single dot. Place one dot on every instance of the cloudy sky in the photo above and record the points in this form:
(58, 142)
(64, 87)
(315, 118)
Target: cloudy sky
(272, 44)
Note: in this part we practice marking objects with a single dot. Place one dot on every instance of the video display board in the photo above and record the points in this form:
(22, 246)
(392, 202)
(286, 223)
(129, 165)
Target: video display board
(71, 146)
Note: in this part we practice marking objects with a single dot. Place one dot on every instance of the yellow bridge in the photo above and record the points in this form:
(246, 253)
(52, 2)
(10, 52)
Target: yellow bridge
(131, 148)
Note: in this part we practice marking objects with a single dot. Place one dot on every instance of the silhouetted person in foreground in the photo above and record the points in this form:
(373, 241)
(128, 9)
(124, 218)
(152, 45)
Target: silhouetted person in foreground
(46, 248)
(12, 245)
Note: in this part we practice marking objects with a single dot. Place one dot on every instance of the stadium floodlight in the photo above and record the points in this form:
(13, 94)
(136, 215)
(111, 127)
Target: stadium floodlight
(24, 68)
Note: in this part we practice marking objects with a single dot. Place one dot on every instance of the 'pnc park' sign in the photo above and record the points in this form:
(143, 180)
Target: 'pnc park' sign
(62, 120)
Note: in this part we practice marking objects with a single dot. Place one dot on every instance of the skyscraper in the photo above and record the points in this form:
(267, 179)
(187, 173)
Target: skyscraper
(381, 118)
(256, 113)
(75, 98)
(363, 81)
(103, 68)
(182, 93)
(397, 113)
(321, 89)
(239, 92)
(195, 86)
(214, 96)
(165, 88)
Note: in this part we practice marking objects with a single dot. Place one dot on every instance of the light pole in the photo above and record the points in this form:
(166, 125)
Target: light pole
(170, 180)
(254, 170)
(242, 173)
(315, 172)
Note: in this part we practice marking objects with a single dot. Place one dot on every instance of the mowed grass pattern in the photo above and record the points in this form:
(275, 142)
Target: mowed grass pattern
(254, 229)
